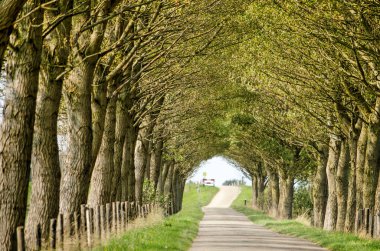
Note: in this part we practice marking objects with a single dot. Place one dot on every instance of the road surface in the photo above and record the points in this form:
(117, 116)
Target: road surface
(222, 228)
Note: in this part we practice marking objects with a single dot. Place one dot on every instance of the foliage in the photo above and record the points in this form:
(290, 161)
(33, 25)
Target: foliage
(233, 182)
(302, 202)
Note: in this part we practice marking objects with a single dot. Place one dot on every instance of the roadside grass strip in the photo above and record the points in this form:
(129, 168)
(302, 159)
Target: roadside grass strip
(176, 232)
(335, 241)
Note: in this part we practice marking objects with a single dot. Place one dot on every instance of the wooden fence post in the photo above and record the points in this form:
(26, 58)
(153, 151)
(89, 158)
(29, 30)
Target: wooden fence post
(76, 221)
(83, 218)
(67, 226)
(97, 229)
(122, 216)
(113, 224)
(52, 233)
(20, 239)
(367, 220)
(102, 222)
(127, 212)
(117, 220)
(59, 233)
(108, 219)
(377, 233)
(89, 226)
(131, 207)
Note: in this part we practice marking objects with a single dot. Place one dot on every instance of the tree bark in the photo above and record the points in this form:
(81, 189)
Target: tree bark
(141, 155)
(371, 167)
(163, 176)
(16, 129)
(352, 185)
(320, 190)
(255, 192)
(44, 201)
(77, 92)
(102, 175)
(9, 10)
(341, 185)
(275, 192)
(118, 181)
(360, 160)
(285, 205)
(331, 166)
(98, 108)
(155, 162)
(131, 139)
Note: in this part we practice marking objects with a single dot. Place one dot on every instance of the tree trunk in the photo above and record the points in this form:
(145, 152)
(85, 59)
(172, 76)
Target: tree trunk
(168, 180)
(261, 188)
(275, 192)
(371, 172)
(76, 174)
(141, 155)
(16, 129)
(102, 175)
(255, 192)
(331, 166)
(320, 190)
(286, 184)
(360, 160)
(352, 191)
(163, 176)
(118, 181)
(148, 157)
(98, 108)
(46, 174)
(77, 92)
(155, 162)
(341, 185)
(9, 10)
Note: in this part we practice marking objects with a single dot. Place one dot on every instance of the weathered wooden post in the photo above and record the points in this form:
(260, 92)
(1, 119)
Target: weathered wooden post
(245, 202)
(60, 231)
(127, 212)
(113, 224)
(378, 224)
(108, 219)
(20, 239)
(67, 231)
(83, 217)
(97, 222)
(122, 216)
(370, 223)
(117, 221)
(52, 233)
(102, 222)
(89, 226)
(76, 221)
(367, 217)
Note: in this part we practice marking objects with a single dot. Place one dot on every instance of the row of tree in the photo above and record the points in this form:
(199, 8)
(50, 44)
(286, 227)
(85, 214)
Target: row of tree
(297, 99)
(103, 95)
(302, 103)
(93, 94)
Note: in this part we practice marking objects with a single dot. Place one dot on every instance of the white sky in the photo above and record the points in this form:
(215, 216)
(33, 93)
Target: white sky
(219, 169)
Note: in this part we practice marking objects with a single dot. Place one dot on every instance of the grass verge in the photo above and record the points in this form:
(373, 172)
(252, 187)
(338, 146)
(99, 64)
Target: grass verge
(173, 233)
(334, 241)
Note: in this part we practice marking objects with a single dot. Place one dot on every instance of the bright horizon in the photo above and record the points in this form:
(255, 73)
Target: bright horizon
(217, 168)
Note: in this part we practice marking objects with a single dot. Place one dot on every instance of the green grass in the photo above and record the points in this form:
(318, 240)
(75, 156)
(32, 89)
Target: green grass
(331, 240)
(173, 233)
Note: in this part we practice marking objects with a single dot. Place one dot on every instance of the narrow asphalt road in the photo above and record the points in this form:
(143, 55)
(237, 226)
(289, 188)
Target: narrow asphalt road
(222, 228)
